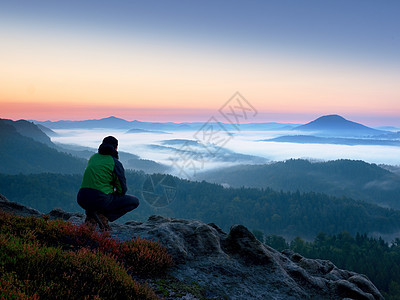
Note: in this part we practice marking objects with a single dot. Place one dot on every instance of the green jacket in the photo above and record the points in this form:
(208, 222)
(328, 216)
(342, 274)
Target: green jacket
(105, 173)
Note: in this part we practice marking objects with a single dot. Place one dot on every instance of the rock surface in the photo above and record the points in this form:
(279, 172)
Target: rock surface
(234, 265)
(3, 198)
(17, 209)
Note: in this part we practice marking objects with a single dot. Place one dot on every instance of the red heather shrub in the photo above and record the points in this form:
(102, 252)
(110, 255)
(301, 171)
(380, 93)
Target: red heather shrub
(72, 237)
(144, 257)
(12, 288)
(51, 273)
(140, 256)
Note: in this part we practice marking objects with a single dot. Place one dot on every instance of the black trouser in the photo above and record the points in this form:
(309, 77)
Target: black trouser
(113, 206)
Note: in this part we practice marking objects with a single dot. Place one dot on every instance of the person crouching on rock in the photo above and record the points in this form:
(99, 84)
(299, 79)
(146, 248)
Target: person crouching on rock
(103, 190)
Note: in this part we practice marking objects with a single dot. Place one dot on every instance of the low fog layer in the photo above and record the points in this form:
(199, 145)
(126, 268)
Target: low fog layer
(241, 147)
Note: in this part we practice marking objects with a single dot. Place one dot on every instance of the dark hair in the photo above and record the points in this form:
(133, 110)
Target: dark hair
(110, 140)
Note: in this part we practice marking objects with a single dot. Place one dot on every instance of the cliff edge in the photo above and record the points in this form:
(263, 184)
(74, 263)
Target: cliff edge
(233, 265)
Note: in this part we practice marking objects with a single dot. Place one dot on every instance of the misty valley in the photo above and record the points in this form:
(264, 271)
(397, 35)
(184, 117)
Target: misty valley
(328, 184)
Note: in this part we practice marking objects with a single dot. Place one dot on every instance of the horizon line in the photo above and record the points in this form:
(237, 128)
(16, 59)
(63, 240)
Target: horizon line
(280, 118)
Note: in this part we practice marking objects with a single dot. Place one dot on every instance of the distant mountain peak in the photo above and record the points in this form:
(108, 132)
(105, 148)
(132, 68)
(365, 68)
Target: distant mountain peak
(112, 118)
(331, 117)
(339, 126)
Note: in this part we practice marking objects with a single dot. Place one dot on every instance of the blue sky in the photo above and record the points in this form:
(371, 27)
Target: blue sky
(345, 27)
(327, 41)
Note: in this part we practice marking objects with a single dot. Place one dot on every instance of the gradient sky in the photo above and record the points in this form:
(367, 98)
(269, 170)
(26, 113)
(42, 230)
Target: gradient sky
(182, 60)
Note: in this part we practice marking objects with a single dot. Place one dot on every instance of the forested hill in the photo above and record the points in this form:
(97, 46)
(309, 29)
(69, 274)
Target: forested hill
(28, 129)
(354, 179)
(289, 214)
(22, 154)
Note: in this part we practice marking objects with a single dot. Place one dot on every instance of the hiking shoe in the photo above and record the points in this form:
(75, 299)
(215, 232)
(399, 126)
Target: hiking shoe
(90, 221)
(102, 221)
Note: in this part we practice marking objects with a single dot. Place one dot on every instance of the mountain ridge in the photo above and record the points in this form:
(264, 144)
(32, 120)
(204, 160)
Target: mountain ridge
(324, 123)
(29, 129)
(118, 123)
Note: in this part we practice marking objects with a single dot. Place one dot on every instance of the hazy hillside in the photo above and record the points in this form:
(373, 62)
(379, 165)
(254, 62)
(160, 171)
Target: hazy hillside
(21, 154)
(29, 129)
(47, 131)
(355, 179)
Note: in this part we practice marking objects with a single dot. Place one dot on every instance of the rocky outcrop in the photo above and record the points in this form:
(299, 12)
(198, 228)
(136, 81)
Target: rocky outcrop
(3, 198)
(17, 209)
(236, 265)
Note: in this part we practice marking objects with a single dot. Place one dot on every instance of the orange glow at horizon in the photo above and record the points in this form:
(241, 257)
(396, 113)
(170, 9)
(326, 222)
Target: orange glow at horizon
(49, 77)
(65, 111)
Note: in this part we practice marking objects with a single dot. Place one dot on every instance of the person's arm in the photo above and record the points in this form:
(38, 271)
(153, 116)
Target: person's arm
(120, 183)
